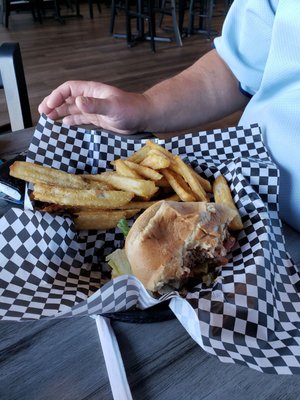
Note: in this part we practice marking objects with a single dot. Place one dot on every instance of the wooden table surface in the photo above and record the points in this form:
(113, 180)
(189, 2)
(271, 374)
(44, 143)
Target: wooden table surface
(62, 359)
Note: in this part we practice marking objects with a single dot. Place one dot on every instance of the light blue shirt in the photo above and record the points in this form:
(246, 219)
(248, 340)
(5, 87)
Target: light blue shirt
(260, 43)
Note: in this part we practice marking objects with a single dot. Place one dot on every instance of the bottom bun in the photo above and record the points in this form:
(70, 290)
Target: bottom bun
(171, 241)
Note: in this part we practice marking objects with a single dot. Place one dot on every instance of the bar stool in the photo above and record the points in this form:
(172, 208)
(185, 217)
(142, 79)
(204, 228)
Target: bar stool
(169, 7)
(116, 6)
(141, 11)
(91, 2)
(203, 9)
(19, 5)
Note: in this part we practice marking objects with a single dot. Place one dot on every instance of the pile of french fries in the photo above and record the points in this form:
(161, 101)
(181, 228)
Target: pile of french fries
(99, 201)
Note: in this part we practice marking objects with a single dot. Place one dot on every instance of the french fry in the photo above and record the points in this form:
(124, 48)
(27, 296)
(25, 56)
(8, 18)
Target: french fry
(81, 197)
(179, 185)
(222, 195)
(40, 174)
(96, 184)
(203, 182)
(139, 155)
(99, 201)
(163, 183)
(123, 169)
(101, 219)
(156, 160)
(143, 171)
(181, 168)
(157, 147)
(146, 204)
(140, 187)
(52, 208)
(132, 205)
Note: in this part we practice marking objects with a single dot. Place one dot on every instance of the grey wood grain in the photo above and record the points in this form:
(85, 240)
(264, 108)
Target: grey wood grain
(59, 359)
(172, 366)
(62, 359)
(15, 143)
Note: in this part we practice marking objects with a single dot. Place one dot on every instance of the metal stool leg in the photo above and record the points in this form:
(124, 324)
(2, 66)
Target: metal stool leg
(210, 7)
(175, 24)
(205, 15)
(112, 16)
(152, 24)
(191, 18)
(128, 24)
(163, 5)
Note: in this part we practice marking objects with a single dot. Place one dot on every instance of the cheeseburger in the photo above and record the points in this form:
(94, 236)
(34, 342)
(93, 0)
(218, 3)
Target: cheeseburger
(173, 242)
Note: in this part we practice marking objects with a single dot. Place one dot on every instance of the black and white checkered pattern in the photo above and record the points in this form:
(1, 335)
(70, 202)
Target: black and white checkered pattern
(249, 316)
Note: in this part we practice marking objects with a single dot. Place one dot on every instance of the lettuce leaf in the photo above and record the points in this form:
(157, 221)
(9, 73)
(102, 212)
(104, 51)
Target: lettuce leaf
(123, 226)
(119, 263)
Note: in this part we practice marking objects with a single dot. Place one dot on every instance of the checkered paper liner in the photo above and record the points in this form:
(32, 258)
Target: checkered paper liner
(249, 316)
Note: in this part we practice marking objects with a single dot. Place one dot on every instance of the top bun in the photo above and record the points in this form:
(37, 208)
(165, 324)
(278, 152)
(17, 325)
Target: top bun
(169, 238)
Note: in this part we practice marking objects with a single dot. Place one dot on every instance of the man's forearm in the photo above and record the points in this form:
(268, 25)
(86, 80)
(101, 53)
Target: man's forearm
(205, 92)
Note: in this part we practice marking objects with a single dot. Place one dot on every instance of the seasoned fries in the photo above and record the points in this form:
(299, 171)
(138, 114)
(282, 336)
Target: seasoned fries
(39, 174)
(94, 183)
(139, 155)
(143, 171)
(222, 195)
(204, 183)
(101, 219)
(182, 169)
(140, 187)
(146, 204)
(100, 200)
(156, 160)
(123, 169)
(81, 197)
(179, 185)
(157, 147)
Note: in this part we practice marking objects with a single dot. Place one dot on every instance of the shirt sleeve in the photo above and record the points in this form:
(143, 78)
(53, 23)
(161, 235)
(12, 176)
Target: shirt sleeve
(245, 40)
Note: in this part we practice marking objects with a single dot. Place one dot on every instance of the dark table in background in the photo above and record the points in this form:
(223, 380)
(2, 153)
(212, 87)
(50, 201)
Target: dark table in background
(62, 359)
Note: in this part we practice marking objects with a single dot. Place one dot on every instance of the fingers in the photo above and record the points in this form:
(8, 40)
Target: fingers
(83, 110)
(60, 112)
(76, 119)
(55, 99)
(81, 102)
(91, 105)
(43, 108)
(65, 93)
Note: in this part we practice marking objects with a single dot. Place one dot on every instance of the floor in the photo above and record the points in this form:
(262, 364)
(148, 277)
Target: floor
(83, 48)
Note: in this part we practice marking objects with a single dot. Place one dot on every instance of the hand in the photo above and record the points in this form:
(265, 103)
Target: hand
(81, 102)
